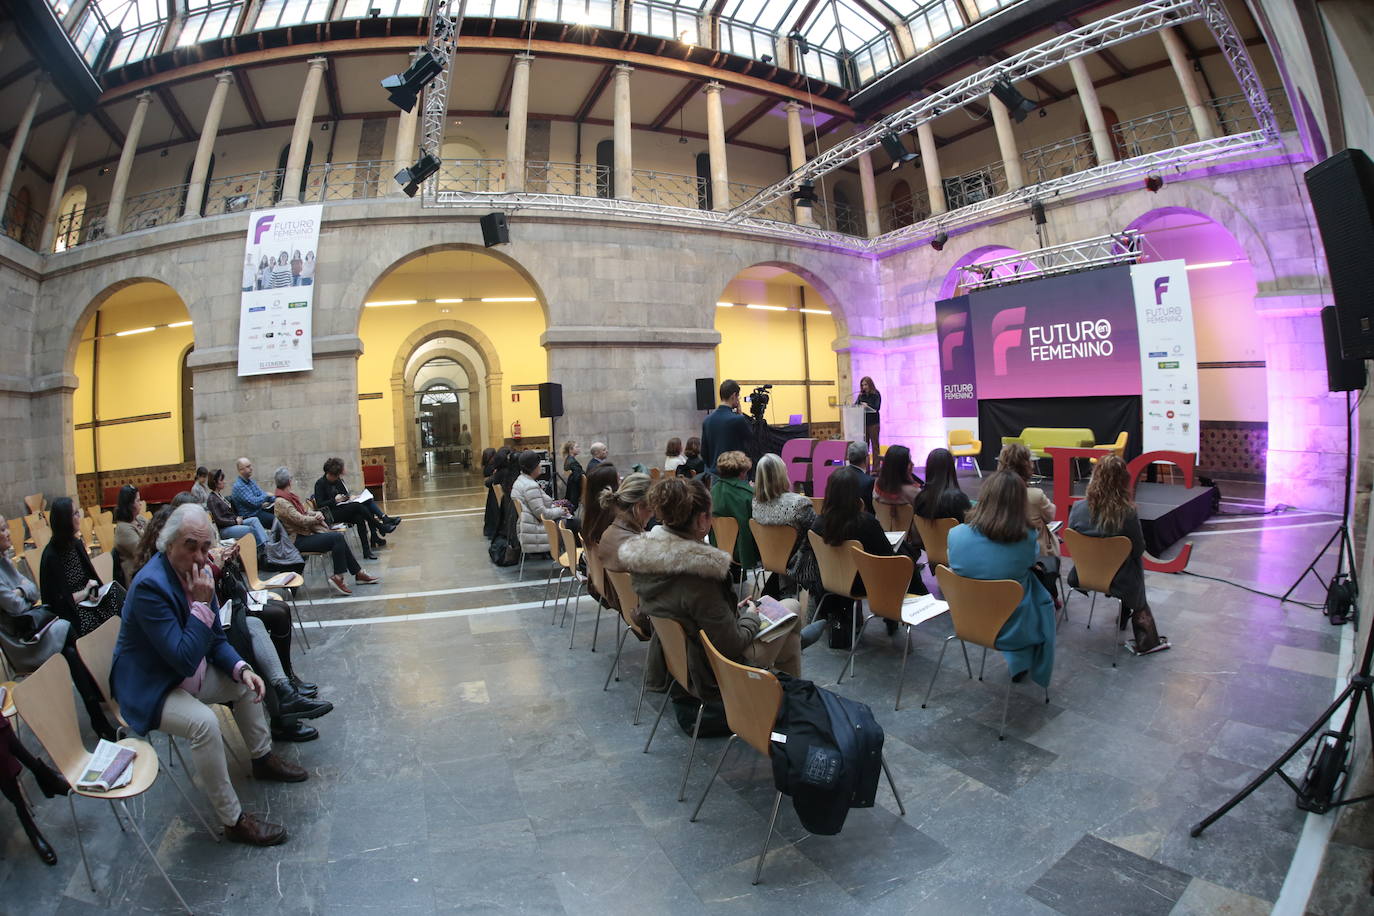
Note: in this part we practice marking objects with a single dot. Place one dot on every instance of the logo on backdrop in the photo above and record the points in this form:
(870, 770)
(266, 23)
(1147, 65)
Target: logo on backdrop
(1006, 333)
(953, 330)
(1161, 287)
(1085, 339)
(264, 225)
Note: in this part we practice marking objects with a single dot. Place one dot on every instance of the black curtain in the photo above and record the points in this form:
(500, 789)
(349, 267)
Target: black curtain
(1107, 417)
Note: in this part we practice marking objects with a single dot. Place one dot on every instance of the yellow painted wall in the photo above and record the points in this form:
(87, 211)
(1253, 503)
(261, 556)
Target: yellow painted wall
(139, 374)
(512, 327)
(767, 345)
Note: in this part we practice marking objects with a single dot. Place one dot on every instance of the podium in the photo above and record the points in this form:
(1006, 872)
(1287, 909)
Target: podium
(852, 423)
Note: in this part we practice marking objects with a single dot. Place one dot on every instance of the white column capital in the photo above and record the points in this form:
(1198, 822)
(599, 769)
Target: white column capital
(224, 76)
(317, 63)
(523, 60)
(713, 88)
(145, 97)
(792, 106)
(623, 70)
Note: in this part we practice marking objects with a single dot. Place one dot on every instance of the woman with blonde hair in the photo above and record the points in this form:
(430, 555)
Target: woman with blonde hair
(629, 513)
(776, 504)
(1108, 511)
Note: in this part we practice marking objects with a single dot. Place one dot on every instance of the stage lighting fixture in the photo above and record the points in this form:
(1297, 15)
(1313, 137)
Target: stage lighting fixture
(1153, 183)
(767, 58)
(1038, 212)
(403, 88)
(805, 195)
(938, 243)
(803, 46)
(411, 178)
(374, 11)
(897, 151)
(1018, 106)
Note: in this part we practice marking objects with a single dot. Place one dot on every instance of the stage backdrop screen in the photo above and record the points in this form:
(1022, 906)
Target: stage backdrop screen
(1066, 336)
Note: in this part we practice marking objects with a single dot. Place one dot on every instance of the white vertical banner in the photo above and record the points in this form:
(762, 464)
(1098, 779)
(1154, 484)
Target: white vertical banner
(1168, 357)
(278, 290)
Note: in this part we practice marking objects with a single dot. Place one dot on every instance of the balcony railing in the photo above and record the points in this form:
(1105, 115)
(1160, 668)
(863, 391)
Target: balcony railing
(370, 179)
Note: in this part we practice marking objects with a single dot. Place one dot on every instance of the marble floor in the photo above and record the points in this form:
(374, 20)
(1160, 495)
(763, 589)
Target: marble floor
(474, 764)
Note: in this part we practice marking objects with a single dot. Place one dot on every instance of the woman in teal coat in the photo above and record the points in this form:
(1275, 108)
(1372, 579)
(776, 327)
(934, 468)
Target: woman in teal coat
(997, 541)
(732, 496)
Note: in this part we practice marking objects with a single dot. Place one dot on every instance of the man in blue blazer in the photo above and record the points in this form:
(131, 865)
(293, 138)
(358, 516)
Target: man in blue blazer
(172, 660)
(725, 429)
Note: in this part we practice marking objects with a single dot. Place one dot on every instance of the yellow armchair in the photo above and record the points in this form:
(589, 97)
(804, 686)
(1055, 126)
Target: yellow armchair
(963, 445)
(1117, 448)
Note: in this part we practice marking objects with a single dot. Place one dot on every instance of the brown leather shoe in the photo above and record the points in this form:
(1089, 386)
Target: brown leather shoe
(364, 578)
(271, 768)
(252, 832)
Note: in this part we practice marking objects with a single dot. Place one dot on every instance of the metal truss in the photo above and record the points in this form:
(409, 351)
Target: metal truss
(444, 26)
(1097, 176)
(1119, 248)
(1113, 30)
(1233, 49)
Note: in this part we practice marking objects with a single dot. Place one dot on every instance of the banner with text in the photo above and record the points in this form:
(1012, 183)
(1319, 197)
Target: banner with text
(958, 379)
(277, 293)
(1168, 357)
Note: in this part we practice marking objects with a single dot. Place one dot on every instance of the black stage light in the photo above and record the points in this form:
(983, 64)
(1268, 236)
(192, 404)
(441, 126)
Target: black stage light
(403, 88)
(1038, 212)
(805, 195)
(374, 11)
(411, 178)
(1018, 106)
(897, 151)
(938, 243)
(767, 58)
(1153, 183)
(803, 46)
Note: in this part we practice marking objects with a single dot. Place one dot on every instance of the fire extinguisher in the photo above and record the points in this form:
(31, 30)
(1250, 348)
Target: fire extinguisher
(515, 430)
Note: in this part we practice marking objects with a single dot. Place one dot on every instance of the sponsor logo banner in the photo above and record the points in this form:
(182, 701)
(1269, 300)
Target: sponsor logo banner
(1164, 318)
(277, 293)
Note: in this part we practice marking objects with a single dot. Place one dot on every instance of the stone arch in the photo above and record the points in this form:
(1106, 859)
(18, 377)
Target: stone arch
(480, 416)
(950, 285)
(817, 282)
(1232, 219)
(402, 384)
(78, 326)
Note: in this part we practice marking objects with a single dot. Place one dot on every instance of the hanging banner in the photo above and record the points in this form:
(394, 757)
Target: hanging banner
(278, 290)
(1168, 357)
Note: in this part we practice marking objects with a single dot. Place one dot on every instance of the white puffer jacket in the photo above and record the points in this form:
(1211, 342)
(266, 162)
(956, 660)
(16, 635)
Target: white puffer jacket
(537, 507)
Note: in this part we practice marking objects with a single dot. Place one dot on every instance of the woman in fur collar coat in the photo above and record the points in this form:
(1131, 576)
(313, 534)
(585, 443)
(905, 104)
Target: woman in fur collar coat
(679, 576)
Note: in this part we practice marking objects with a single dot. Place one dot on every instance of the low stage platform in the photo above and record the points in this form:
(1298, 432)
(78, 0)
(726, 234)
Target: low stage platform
(1168, 512)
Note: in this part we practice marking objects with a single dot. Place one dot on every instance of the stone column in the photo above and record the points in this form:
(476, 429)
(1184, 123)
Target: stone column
(205, 149)
(515, 130)
(624, 162)
(930, 166)
(1183, 69)
(872, 226)
(21, 139)
(300, 134)
(59, 185)
(1092, 111)
(715, 146)
(1006, 143)
(403, 154)
(796, 158)
(114, 214)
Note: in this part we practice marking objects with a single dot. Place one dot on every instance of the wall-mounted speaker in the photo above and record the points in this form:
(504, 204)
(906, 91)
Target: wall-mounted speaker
(706, 394)
(494, 229)
(1341, 374)
(1342, 192)
(550, 399)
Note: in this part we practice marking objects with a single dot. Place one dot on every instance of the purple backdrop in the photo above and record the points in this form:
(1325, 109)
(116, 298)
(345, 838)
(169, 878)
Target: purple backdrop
(958, 382)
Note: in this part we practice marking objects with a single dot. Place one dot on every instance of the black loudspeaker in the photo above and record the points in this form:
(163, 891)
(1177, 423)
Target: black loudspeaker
(1341, 374)
(706, 394)
(494, 229)
(550, 399)
(1342, 192)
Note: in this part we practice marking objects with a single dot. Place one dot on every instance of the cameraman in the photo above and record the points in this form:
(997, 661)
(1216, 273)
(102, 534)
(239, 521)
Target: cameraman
(725, 429)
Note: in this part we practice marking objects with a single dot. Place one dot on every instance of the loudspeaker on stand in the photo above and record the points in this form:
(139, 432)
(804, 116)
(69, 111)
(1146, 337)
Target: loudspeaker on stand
(706, 394)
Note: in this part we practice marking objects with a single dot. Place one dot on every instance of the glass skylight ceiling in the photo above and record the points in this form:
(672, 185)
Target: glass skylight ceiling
(850, 42)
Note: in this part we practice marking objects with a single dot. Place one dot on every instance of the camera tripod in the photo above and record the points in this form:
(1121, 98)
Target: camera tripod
(1345, 552)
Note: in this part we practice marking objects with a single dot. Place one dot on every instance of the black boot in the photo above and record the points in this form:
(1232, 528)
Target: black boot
(45, 851)
(295, 730)
(293, 705)
(304, 688)
(378, 540)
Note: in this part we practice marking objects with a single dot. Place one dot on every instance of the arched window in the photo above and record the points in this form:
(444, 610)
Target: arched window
(70, 215)
(605, 168)
(305, 167)
(704, 201)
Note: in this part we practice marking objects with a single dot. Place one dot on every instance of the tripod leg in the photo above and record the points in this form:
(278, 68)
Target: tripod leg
(1275, 766)
(1312, 567)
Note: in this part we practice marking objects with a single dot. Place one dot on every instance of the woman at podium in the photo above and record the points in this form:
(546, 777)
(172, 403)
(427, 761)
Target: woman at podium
(871, 401)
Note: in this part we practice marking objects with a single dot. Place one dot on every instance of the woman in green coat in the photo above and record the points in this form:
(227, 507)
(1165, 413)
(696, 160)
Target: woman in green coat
(732, 497)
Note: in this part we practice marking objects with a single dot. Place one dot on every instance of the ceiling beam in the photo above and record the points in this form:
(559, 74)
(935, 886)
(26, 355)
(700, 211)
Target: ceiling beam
(174, 111)
(331, 91)
(250, 98)
(502, 106)
(43, 117)
(744, 123)
(111, 129)
(804, 15)
(676, 105)
(18, 73)
(594, 94)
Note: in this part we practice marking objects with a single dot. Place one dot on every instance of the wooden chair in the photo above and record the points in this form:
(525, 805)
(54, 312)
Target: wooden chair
(44, 700)
(725, 529)
(775, 544)
(1097, 561)
(629, 603)
(88, 532)
(837, 572)
(40, 533)
(979, 609)
(895, 517)
(248, 553)
(103, 564)
(963, 445)
(886, 581)
(817, 503)
(17, 533)
(559, 567)
(573, 552)
(752, 698)
(655, 474)
(33, 559)
(96, 650)
(674, 642)
(35, 504)
(105, 533)
(596, 578)
(935, 538)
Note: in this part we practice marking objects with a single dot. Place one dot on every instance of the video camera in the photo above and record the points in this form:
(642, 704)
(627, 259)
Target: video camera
(758, 402)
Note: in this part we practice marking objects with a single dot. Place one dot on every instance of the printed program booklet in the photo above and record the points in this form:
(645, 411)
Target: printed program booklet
(775, 614)
(110, 767)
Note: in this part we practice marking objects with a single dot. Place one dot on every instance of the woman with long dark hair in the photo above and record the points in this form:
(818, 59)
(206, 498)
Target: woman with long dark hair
(896, 484)
(1108, 512)
(572, 468)
(941, 496)
(67, 579)
(129, 525)
(872, 401)
(997, 541)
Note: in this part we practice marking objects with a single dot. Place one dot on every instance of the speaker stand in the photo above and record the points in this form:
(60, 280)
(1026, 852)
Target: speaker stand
(553, 458)
(1345, 550)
